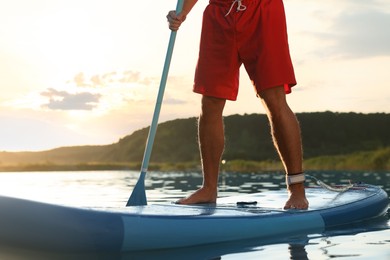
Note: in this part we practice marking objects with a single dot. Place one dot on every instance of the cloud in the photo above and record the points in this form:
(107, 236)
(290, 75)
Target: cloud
(62, 100)
(79, 80)
(110, 78)
(349, 28)
(361, 33)
(130, 76)
(174, 101)
(97, 81)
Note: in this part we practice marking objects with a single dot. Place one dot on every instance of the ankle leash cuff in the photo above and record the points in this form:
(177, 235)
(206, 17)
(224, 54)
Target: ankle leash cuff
(296, 178)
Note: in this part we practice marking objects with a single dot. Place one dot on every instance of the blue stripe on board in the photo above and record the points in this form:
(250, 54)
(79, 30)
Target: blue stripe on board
(145, 232)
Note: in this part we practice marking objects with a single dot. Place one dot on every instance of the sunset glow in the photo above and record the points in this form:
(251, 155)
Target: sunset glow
(87, 72)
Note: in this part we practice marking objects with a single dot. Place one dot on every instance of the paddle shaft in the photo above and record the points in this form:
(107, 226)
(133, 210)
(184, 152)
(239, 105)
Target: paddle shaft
(138, 196)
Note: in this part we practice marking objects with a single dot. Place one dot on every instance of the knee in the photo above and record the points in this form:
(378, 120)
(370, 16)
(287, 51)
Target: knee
(212, 106)
(274, 100)
(275, 94)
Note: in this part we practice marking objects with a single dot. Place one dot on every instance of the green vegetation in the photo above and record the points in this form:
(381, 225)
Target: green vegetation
(339, 141)
(367, 160)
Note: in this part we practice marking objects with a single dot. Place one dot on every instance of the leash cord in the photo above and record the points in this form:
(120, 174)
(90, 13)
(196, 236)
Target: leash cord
(326, 186)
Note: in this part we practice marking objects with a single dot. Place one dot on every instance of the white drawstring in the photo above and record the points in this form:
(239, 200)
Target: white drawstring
(240, 7)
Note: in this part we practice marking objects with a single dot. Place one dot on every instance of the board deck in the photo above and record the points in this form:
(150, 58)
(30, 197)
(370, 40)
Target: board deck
(46, 226)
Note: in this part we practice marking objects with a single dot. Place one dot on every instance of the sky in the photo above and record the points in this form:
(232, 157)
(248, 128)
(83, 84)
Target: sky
(87, 72)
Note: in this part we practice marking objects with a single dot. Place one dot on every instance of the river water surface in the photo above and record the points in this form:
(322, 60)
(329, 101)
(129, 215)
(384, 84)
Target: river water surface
(111, 189)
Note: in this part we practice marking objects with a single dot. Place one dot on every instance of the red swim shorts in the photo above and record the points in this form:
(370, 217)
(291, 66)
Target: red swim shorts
(253, 33)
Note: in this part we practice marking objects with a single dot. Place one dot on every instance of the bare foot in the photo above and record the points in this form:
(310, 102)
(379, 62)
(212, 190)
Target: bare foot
(203, 195)
(297, 198)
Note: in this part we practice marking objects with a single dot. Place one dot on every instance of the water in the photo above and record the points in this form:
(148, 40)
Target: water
(111, 189)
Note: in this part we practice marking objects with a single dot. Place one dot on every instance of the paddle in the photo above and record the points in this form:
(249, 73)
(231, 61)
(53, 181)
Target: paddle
(138, 196)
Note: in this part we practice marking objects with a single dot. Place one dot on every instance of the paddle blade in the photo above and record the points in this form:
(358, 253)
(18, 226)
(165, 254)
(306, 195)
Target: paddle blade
(138, 196)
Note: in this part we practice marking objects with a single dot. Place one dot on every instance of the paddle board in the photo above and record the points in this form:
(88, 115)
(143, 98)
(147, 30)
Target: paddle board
(32, 224)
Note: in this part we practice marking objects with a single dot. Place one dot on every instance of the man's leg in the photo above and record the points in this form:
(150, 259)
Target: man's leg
(287, 139)
(211, 145)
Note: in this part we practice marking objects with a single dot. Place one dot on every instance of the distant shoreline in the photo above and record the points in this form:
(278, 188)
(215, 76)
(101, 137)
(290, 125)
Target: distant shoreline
(378, 160)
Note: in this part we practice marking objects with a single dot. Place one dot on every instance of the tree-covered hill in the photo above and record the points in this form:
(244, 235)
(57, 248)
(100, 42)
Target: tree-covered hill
(343, 133)
(247, 138)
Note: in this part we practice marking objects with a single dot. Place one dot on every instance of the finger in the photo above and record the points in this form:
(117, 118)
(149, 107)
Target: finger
(172, 15)
(174, 24)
